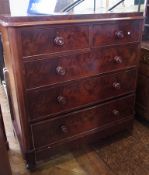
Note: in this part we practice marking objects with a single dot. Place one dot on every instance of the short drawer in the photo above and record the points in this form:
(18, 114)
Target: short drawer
(54, 131)
(48, 71)
(36, 40)
(116, 32)
(53, 100)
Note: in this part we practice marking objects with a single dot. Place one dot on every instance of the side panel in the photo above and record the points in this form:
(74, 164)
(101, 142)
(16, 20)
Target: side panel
(15, 86)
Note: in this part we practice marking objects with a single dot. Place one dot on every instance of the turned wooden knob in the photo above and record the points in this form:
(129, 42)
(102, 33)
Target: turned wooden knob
(59, 41)
(60, 70)
(115, 112)
(119, 34)
(118, 59)
(116, 85)
(61, 100)
(64, 129)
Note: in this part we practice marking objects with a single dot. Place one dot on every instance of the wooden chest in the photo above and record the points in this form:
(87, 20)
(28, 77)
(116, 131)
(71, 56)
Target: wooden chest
(72, 79)
(142, 98)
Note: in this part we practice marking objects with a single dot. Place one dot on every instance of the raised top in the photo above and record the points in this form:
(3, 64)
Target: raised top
(16, 21)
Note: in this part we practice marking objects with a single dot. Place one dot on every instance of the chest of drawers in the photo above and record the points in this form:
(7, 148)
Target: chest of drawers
(71, 79)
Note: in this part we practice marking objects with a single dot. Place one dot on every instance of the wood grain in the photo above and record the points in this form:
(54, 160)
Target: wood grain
(39, 40)
(44, 71)
(117, 155)
(99, 42)
(44, 102)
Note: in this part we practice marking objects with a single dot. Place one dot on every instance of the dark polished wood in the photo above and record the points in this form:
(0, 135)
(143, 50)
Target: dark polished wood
(142, 97)
(72, 78)
(67, 126)
(66, 68)
(36, 20)
(48, 101)
(39, 40)
(87, 138)
(116, 33)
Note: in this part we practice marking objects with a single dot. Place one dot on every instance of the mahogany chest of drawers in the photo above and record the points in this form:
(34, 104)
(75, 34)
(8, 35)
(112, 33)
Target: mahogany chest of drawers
(72, 79)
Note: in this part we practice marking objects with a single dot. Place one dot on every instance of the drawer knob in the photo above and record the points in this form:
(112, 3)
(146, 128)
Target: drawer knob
(118, 59)
(64, 129)
(61, 100)
(60, 70)
(116, 85)
(59, 41)
(119, 34)
(115, 112)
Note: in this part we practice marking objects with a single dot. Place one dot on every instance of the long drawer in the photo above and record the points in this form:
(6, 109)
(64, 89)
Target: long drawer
(53, 100)
(44, 40)
(48, 71)
(52, 131)
(94, 136)
(116, 32)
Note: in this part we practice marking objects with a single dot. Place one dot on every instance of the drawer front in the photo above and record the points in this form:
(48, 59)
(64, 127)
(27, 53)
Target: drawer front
(116, 33)
(60, 69)
(37, 41)
(53, 100)
(51, 131)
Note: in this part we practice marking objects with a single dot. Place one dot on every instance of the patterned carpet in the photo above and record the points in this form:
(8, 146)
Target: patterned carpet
(122, 154)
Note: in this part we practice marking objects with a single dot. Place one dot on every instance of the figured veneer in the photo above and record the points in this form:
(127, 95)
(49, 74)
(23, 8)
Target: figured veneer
(51, 131)
(62, 98)
(72, 78)
(39, 40)
(116, 33)
(66, 68)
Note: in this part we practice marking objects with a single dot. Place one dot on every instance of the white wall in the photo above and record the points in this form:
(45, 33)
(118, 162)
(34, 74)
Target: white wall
(18, 7)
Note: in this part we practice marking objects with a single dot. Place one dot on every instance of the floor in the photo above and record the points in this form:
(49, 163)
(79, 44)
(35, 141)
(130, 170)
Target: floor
(123, 154)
